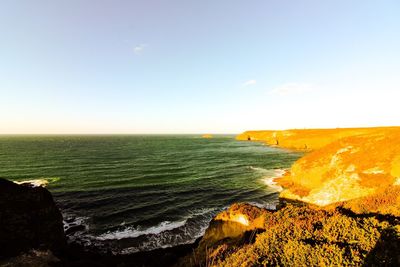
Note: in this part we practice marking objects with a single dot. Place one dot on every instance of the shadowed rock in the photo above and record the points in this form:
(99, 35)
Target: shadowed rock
(29, 219)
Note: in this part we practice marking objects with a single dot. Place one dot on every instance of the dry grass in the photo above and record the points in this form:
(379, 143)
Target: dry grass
(385, 202)
(348, 168)
(309, 236)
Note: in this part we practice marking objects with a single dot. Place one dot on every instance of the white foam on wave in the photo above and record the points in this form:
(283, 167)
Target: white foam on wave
(163, 235)
(165, 240)
(71, 221)
(200, 211)
(132, 232)
(43, 182)
(269, 178)
(35, 182)
(259, 169)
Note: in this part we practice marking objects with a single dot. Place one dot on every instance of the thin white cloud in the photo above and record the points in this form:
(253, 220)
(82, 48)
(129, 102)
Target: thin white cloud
(138, 50)
(292, 89)
(249, 82)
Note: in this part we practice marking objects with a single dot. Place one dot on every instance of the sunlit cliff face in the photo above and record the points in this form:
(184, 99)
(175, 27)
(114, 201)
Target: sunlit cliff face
(241, 218)
(234, 222)
(349, 168)
(243, 214)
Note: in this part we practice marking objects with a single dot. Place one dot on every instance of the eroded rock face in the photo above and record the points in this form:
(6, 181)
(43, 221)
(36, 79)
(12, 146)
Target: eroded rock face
(29, 219)
(347, 169)
(236, 226)
(234, 222)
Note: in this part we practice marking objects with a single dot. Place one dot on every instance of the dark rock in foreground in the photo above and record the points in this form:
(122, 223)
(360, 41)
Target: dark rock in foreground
(32, 234)
(29, 219)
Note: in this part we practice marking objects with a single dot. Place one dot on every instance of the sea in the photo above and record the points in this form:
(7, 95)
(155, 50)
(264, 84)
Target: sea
(132, 193)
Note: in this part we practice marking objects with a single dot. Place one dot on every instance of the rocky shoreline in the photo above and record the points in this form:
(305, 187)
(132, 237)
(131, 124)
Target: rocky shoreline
(32, 234)
(340, 206)
(234, 237)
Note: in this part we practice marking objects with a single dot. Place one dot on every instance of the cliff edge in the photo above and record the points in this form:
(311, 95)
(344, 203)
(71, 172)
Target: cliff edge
(343, 164)
(340, 205)
(29, 219)
(297, 235)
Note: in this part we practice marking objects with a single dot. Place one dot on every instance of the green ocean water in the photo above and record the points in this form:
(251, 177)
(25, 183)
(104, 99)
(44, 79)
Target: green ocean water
(144, 192)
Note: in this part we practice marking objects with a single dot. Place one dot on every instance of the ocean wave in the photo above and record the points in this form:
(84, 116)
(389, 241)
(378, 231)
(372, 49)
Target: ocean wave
(200, 211)
(185, 234)
(270, 172)
(43, 182)
(132, 232)
(74, 225)
(131, 239)
(269, 180)
(269, 177)
(259, 169)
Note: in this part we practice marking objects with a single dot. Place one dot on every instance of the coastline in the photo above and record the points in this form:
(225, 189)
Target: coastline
(362, 230)
(340, 204)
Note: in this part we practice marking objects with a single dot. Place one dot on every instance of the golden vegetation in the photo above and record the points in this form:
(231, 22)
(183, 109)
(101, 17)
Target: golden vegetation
(345, 164)
(385, 202)
(303, 236)
(351, 182)
(349, 168)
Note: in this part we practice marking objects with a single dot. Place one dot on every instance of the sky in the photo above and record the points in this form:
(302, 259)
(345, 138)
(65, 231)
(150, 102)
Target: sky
(134, 67)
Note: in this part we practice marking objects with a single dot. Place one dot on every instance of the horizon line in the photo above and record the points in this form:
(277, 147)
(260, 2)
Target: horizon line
(199, 133)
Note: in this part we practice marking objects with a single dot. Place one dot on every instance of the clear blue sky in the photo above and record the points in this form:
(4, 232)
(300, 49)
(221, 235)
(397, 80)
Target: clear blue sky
(80, 66)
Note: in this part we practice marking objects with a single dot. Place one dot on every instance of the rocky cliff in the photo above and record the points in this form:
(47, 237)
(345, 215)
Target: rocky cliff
(345, 206)
(349, 168)
(344, 164)
(29, 219)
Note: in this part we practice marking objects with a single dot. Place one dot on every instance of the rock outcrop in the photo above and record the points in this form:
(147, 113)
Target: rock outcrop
(308, 139)
(344, 164)
(234, 222)
(233, 227)
(349, 168)
(297, 235)
(343, 209)
(29, 219)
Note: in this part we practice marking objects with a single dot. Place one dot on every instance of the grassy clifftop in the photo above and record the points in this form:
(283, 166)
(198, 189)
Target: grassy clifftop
(298, 236)
(308, 139)
(343, 164)
(345, 210)
(348, 168)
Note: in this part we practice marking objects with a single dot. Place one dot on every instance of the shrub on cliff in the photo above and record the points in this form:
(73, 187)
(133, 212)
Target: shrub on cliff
(309, 236)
